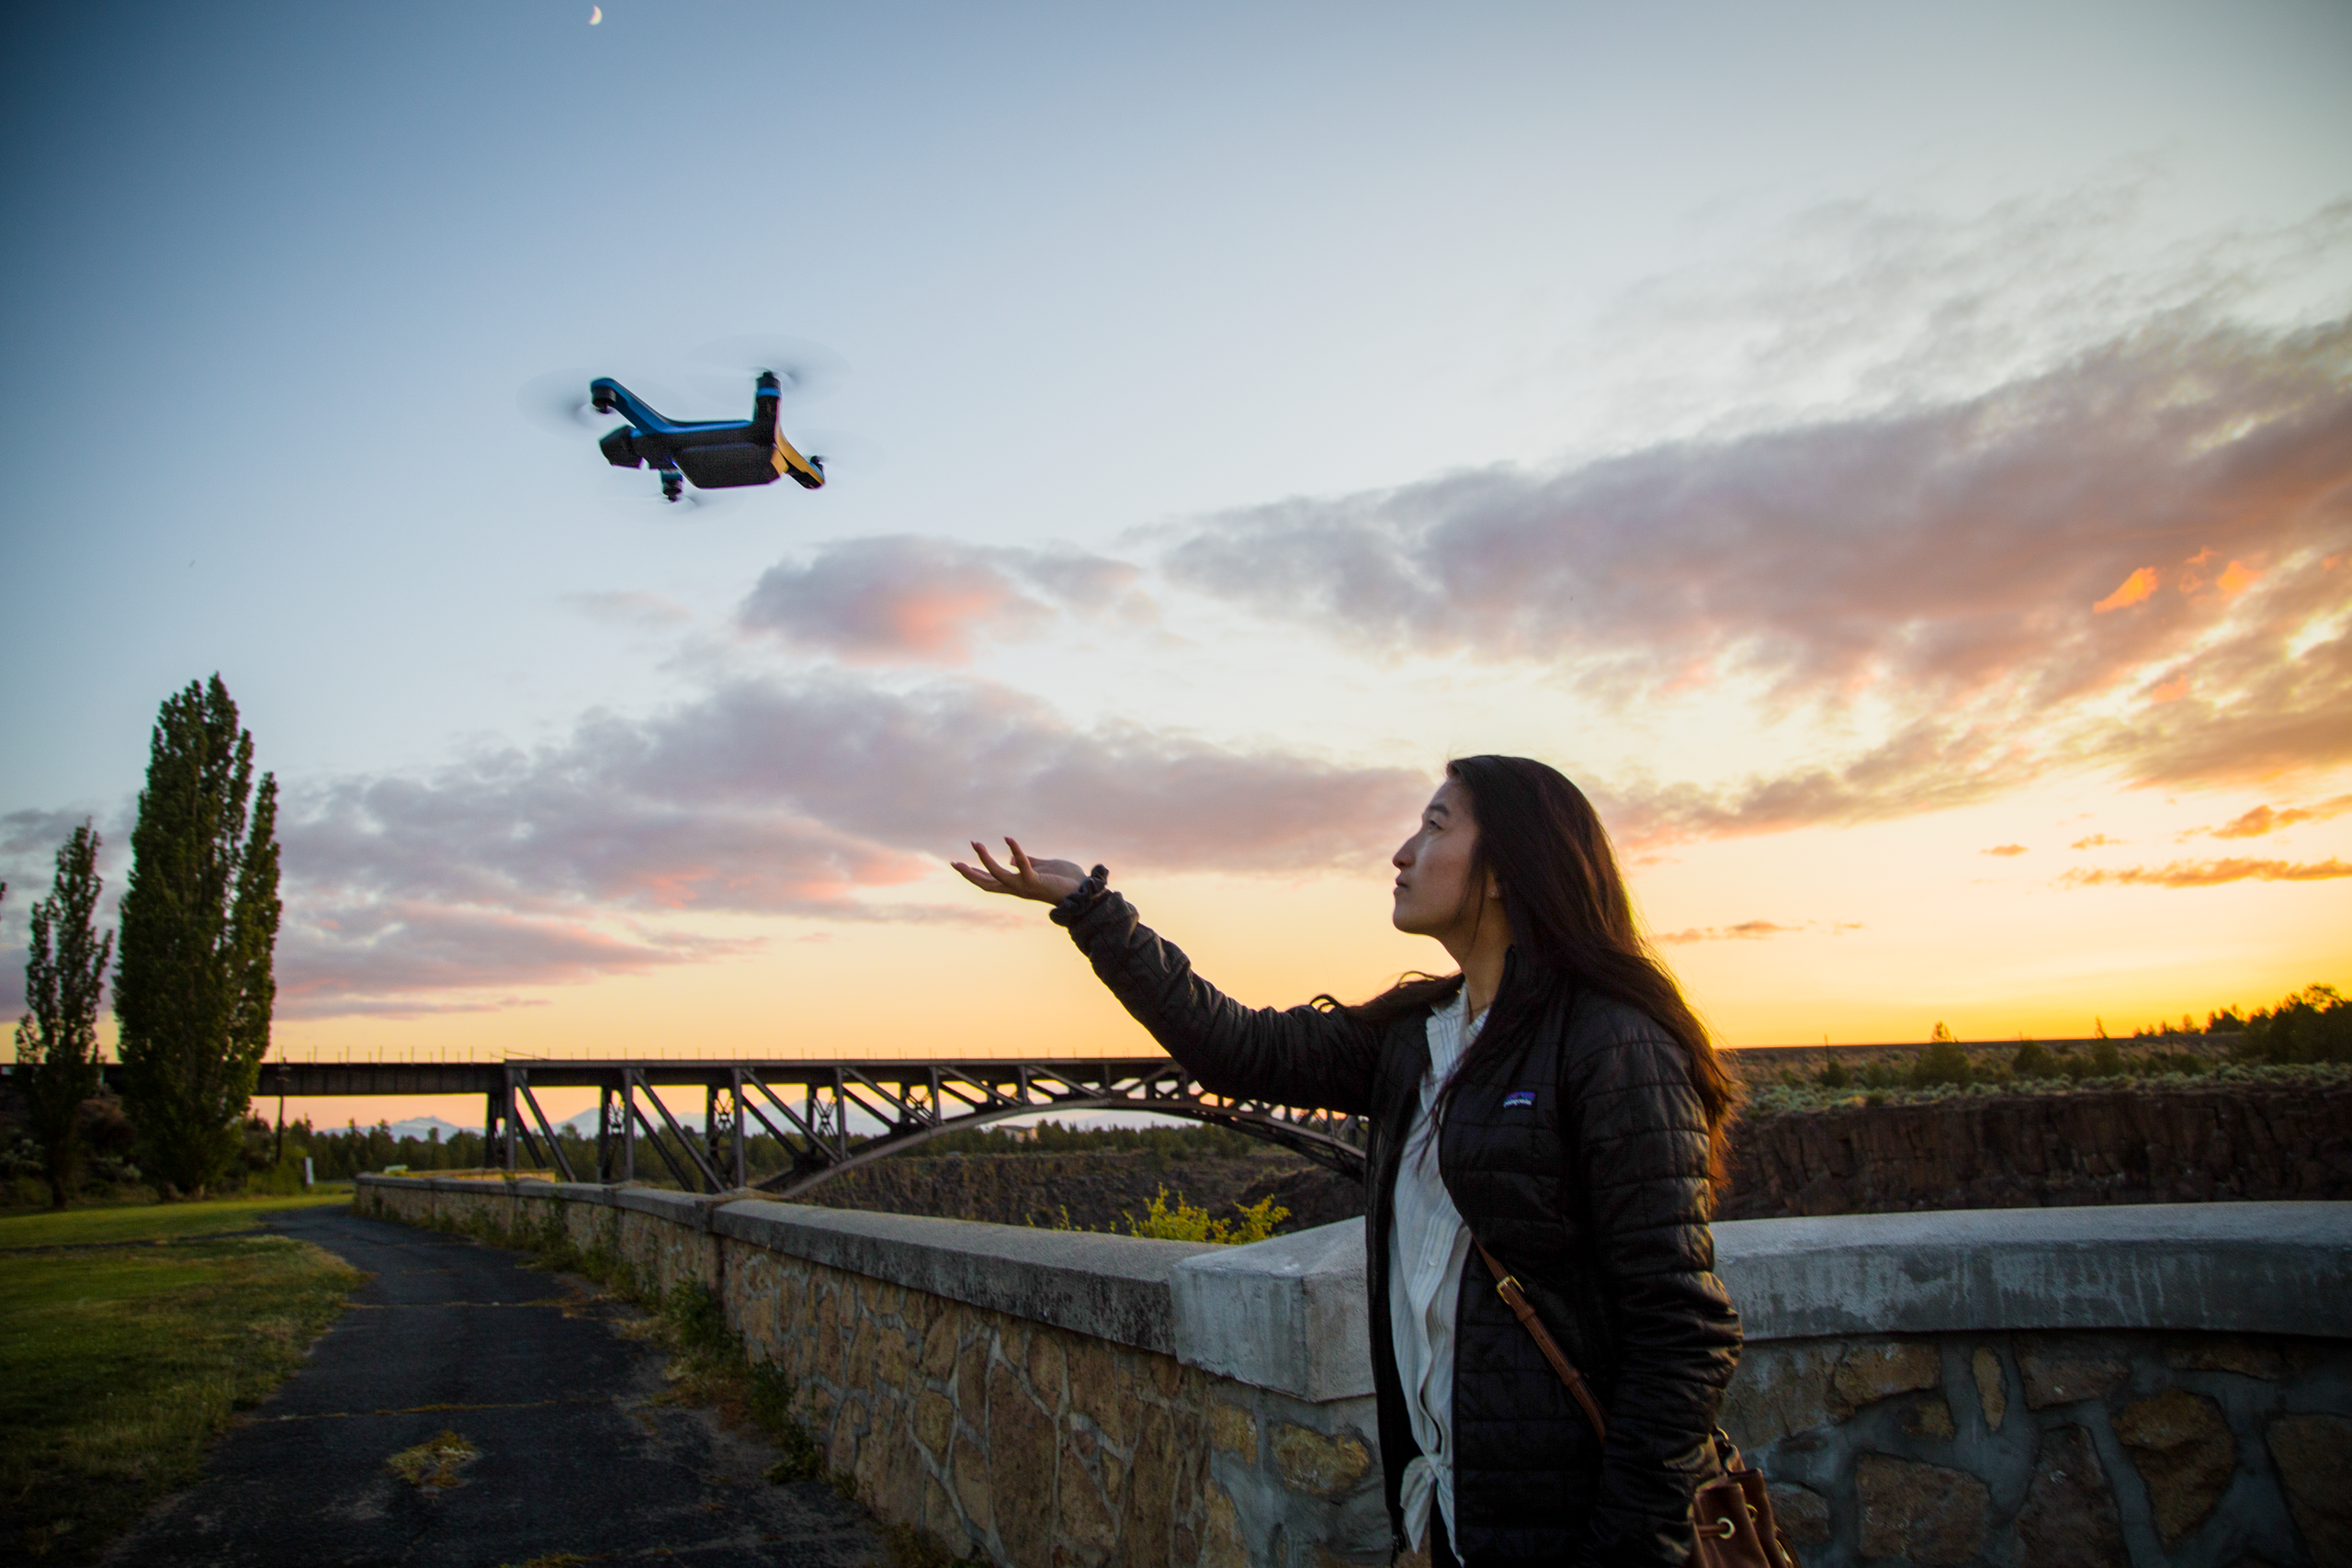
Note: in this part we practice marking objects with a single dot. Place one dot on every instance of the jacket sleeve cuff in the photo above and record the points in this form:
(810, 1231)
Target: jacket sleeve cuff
(1088, 894)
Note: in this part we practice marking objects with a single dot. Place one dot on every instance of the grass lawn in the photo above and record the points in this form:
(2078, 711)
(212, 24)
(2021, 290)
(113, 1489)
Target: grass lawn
(128, 1337)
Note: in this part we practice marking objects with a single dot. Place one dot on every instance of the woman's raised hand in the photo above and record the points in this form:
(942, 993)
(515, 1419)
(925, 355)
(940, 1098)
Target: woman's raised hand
(1047, 881)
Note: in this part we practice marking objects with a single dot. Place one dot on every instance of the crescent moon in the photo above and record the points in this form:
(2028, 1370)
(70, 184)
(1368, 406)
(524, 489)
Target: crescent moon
(595, 14)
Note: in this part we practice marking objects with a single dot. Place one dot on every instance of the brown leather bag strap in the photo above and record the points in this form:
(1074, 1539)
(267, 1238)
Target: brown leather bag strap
(1514, 1298)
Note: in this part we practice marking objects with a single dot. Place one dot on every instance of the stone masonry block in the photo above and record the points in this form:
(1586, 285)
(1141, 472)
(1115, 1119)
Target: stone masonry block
(2069, 1520)
(2062, 1372)
(1224, 1547)
(892, 1357)
(857, 1371)
(1084, 1515)
(2219, 1353)
(1992, 1387)
(1309, 1461)
(1102, 1388)
(970, 1473)
(1779, 1389)
(1047, 1370)
(969, 1391)
(939, 1344)
(1022, 1449)
(1928, 1416)
(2313, 1454)
(1922, 1513)
(934, 1423)
(2183, 1448)
(1151, 1500)
(1870, 1372)
(1802, 1513)
(1233, 1430)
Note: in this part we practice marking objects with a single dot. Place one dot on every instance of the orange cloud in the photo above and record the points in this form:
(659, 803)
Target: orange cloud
(2003, 850)
(2209, 873)
(2171, 690)
(2261, 819)
(2094, 842)
(2140, 585)
(2237, 579)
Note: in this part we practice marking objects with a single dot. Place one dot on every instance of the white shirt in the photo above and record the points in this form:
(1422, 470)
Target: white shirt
(1427, 1246)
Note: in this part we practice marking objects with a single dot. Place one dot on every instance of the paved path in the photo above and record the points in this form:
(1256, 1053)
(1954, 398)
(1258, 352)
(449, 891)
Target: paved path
(576, 1453)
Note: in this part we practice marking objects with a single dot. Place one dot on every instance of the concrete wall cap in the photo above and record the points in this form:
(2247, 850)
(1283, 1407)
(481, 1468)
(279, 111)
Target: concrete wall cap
(2271, 1268)
(1108, 1286)
(1288, 1314)
(678, 1208)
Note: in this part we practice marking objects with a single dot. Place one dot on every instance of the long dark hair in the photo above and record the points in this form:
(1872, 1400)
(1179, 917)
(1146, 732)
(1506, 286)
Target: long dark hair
(1572, 930)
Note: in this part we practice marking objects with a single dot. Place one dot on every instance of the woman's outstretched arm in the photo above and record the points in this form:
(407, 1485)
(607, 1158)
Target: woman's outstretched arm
(1302, 1056)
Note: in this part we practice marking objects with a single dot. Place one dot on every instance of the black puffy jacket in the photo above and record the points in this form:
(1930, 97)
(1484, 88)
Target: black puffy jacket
(1594, 1193)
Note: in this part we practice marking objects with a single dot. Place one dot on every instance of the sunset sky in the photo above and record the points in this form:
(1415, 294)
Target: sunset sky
(1898, 459)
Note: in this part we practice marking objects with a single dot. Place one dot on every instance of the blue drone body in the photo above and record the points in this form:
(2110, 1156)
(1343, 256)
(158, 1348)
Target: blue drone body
(712, 454)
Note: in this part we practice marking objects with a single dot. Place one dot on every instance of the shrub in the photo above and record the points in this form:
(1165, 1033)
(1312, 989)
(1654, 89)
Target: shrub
(2312, 1025)
(1185, 1223)
(1941, 1063)
(2033, 1061)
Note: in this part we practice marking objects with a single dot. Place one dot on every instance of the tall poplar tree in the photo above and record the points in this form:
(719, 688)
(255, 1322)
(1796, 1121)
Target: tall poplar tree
(57, 1040)
(193, 987)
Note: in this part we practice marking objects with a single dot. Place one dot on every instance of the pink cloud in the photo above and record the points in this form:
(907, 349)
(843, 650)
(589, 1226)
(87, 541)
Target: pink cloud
(907, 599)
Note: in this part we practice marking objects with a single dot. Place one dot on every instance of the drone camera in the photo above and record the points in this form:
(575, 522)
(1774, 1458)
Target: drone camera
(618, 450)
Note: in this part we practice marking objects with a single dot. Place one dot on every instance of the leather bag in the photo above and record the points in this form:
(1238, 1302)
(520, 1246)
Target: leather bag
(1733, 1513)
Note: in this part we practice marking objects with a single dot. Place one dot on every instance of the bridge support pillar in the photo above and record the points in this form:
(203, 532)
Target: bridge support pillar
(628, 1125)
(735, 1101)
(506, 1114)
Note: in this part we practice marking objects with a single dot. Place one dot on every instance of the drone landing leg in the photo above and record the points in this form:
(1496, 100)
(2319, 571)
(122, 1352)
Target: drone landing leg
(673, 483)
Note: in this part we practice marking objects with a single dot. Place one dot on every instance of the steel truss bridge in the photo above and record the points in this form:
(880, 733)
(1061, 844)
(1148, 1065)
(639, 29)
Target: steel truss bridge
(805, 1105)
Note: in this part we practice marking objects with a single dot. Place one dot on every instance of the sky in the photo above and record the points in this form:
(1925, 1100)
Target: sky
(1896, 458)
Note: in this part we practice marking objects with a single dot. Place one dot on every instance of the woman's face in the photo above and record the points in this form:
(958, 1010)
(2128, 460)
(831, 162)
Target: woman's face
(1434, 892)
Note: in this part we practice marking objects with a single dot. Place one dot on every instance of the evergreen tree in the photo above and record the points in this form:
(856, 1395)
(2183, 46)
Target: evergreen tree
(193, 988)
(57, 1040)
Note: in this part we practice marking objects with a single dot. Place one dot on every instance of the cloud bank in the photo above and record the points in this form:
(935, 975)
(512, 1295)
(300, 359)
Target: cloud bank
(764, 797)
(2142, 559)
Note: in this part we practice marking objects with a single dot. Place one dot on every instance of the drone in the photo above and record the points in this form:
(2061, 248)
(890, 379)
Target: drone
(713, 454)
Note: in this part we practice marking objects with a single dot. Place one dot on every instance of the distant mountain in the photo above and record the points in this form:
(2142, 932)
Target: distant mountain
(422, 1127)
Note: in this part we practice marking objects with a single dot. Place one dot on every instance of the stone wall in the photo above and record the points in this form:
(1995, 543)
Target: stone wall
(2082, 1450)
(2154, 1385)
(993, 1433)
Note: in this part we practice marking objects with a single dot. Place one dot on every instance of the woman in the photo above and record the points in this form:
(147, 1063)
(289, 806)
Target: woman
(1555, 1102)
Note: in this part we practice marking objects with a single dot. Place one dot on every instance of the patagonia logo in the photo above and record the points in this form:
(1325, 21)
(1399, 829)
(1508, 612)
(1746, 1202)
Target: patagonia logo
(1518, 1097)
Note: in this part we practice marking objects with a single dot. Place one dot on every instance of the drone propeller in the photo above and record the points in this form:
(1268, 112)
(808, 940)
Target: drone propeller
(559, 401)
(807, 370)
(638, 494)
(836, 452)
